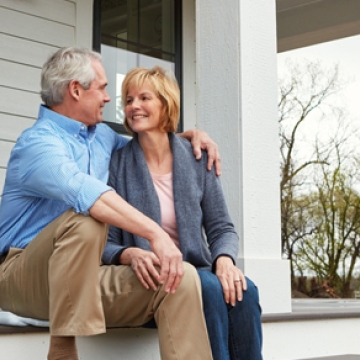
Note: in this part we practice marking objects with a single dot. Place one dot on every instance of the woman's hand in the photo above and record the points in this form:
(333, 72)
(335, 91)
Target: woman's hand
(200, 140)
(144, 265)
(232, 279)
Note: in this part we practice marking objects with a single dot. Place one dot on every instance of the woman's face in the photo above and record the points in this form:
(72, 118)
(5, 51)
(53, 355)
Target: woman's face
(143, 109)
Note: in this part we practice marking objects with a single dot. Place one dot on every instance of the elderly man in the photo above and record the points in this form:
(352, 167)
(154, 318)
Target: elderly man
(54, 217)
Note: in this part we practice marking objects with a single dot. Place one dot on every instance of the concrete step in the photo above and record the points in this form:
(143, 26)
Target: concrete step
(338, 357)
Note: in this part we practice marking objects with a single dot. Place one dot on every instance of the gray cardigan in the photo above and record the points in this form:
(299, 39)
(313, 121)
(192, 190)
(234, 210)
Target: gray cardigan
(204, 226)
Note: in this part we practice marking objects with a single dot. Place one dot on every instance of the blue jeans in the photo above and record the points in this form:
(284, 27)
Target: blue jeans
(234, 331)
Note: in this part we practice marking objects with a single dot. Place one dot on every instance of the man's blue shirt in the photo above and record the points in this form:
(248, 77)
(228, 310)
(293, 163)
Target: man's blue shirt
(57, 164)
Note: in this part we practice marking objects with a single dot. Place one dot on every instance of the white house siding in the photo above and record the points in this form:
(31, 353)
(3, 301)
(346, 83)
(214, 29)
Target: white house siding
(29, 32)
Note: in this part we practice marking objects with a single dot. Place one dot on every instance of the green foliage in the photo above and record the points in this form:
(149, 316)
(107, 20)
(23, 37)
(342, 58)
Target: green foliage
(320, 202)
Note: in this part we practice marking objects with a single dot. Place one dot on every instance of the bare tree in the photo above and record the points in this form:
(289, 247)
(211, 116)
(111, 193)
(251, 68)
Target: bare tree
(305, 96)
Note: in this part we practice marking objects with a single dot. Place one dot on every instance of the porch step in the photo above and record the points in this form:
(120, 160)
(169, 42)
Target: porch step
(338, 357)
(327, 328)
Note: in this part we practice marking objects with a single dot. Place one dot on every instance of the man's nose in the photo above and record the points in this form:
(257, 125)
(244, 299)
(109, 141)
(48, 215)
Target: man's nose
(107, 97)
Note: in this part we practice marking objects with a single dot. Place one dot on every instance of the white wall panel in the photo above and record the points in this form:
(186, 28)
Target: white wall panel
(57, 10)
(19, 102)
(35, 28)
(30, 31)
(12, 126)
(84, 23)
(2, 180)
(19, 76)
(24, 51)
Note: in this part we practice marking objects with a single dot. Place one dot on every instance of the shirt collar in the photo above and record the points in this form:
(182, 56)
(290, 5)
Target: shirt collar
(71, 126)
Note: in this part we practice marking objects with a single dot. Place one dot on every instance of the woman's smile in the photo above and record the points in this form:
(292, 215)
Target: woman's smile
(142, 103)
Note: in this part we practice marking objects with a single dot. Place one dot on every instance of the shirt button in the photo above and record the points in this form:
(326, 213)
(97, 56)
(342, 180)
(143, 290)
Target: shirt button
(75, 135)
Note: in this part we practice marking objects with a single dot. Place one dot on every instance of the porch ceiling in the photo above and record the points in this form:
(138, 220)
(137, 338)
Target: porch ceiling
(306, 22)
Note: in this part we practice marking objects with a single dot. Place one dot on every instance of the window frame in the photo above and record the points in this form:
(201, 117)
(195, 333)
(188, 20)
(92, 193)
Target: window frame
(96, 45)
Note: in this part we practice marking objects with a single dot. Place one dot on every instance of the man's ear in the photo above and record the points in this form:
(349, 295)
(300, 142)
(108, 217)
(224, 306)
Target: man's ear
(75, 89)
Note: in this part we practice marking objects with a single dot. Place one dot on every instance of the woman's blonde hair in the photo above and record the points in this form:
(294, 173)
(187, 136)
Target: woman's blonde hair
(164, 84)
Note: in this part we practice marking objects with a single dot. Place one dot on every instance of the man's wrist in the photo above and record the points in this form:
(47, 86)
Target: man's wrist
(155, 233)
(188, 134)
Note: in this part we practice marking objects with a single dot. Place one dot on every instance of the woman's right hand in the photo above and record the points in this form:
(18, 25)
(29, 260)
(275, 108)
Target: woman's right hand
(145, 265)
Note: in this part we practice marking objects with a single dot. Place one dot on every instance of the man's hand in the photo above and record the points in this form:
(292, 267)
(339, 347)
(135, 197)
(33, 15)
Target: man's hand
(171, 262)
(112, 209)
(232, 279)
(144, 265)
(200, 140)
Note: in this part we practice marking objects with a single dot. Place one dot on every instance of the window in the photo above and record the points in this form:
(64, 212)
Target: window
(131, 33)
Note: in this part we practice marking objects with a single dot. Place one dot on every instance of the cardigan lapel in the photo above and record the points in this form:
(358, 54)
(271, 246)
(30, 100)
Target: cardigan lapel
(138, 187)
(140, 192)
(187, 198)
(148, 201)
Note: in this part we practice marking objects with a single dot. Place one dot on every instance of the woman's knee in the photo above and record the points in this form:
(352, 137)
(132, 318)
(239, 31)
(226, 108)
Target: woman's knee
(250, 299)
(252, 290)
(212, 294)
(210, 284)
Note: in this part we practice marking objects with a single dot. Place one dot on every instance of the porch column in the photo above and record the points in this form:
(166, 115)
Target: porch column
(236, 103)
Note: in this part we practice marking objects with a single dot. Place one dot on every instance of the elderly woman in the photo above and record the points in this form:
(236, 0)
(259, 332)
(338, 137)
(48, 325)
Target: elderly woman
(157, 173)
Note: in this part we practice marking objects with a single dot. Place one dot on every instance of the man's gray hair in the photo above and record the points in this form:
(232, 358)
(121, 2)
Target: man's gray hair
(61, 68)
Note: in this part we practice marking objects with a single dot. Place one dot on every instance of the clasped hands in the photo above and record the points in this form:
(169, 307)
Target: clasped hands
(150, 272)
(153, 270)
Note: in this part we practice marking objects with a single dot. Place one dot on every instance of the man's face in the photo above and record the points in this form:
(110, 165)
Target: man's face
(93, 100)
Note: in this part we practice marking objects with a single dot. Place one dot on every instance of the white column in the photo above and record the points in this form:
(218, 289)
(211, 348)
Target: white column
(236, 80)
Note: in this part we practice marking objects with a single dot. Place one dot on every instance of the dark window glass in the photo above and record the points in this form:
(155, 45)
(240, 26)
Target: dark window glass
(132, 33)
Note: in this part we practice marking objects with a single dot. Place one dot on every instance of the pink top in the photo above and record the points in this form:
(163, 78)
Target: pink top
(164, 188)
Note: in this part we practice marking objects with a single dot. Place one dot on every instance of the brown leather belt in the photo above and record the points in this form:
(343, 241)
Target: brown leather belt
(2, 258)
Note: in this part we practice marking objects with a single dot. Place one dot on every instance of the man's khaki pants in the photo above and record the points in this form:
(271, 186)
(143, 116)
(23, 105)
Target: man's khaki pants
(57, 277)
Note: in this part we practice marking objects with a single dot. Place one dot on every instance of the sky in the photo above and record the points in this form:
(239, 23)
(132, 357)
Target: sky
(345, 52)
